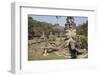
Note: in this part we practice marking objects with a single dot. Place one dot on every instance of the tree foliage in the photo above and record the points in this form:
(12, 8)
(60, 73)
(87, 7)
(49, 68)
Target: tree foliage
(36, 28)
(82, 30)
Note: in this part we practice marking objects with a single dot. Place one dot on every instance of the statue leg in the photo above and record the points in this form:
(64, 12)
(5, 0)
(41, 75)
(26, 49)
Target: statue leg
(73, 53)
(45, 52)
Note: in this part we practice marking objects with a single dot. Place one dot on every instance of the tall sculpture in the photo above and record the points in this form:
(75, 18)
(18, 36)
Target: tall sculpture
(70, 32)
(72, 37)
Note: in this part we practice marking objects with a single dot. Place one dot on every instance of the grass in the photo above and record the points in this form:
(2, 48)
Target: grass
(51, 56)
(35, 52)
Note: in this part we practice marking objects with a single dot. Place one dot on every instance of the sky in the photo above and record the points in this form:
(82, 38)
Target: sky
(61, 20)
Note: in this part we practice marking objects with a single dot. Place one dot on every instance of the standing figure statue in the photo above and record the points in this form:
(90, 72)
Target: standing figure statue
(70, 30)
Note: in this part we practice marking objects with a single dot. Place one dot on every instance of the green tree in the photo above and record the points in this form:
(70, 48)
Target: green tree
(36, 28)
(82, 31)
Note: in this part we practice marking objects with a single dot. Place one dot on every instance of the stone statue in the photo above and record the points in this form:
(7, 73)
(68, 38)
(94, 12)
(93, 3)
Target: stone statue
(73, 40)
(70, 32)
